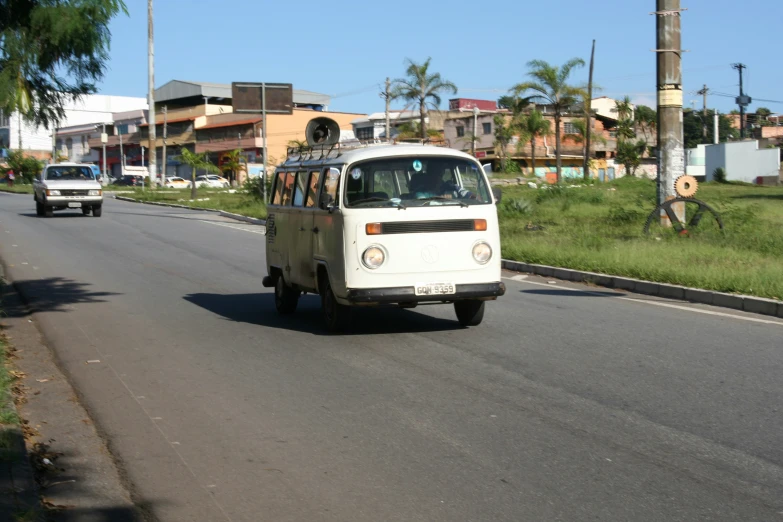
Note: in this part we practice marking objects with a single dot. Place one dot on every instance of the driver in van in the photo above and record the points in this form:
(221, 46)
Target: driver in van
(431, 185)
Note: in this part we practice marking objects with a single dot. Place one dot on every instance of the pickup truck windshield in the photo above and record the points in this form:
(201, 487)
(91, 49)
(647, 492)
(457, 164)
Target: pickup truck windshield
(67, 173)
(415, 181)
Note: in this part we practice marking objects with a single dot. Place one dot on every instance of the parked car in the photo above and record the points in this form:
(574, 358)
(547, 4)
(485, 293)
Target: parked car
(212, 181)
(132, 180)
(175, 182)
(67, 186)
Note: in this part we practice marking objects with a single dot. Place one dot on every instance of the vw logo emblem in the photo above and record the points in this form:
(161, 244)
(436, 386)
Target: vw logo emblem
(430, 254)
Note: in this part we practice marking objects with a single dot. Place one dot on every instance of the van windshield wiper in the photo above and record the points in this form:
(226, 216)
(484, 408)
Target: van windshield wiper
(376, 198)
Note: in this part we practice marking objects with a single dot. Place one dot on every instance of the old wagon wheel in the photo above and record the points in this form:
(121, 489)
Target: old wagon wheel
(694, 211)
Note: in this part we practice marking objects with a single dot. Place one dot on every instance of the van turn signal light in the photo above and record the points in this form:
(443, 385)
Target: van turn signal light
(373, 229)
(480, 225)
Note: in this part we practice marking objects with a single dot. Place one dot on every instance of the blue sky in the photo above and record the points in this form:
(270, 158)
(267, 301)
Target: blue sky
(348, 47)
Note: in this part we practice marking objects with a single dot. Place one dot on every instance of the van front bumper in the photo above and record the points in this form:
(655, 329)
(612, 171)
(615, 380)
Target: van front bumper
(407, 294)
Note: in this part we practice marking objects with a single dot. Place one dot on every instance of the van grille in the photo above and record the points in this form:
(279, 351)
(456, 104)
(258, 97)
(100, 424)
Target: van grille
(425, 227)
(71, 192)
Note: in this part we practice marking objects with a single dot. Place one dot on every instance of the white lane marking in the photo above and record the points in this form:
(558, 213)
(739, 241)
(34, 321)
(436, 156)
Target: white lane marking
(517, 278)
(242, 228)
(659, 303)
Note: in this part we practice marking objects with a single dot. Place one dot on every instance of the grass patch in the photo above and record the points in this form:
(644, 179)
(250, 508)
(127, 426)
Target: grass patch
(237, 202)
(17, 189)
(598, 228)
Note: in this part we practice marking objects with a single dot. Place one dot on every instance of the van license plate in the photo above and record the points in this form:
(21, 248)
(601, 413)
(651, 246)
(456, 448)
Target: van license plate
(74, 205)
(435, 288)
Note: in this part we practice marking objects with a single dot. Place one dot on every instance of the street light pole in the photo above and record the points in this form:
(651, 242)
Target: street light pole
(263, 116)
(104, 138)
(476, 112)
(153, 144)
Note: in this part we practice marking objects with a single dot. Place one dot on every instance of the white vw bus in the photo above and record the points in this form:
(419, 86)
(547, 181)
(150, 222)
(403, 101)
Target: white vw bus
(381, 224)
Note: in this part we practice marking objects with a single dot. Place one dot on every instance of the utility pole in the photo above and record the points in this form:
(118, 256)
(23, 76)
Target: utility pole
(151, 95)
(165, 159)
(54, 145)
(266, 143)
(19, 123)
(704, 92)
(742, 100)
(122, 155)
(589, 119)
(671, 160)
(716, 137)
(104, 139)
(387, 95)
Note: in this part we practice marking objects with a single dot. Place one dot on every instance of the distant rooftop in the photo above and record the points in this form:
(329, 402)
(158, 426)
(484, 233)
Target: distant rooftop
(187, 91)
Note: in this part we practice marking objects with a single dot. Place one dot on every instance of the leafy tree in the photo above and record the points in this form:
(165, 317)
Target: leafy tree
(762, 115)
(52, 52)
(529, 127)
(693, 127)
(550, 85)
(412, 130)
(196, 162)
(421, 90)
(646, 119)
(26, 167)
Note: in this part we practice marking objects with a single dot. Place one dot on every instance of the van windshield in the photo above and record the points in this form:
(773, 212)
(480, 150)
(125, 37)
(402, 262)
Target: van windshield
(415, 181)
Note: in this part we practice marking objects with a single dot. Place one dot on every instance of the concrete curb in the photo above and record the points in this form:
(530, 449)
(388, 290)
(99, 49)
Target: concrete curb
(223, 213)
(746, 303)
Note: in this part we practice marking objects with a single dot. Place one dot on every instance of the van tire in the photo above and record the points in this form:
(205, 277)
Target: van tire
(469, 313)
(97, 211)
(286, 298)
(39, 208)
(336, 316)
(48, 211)
(86, 211)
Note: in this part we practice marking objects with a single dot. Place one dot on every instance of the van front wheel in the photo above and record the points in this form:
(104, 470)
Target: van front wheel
(336, 316)
(469, 313)
(286, 298)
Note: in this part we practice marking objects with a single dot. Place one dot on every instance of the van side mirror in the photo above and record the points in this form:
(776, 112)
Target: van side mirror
(498, 194)
(326, 202)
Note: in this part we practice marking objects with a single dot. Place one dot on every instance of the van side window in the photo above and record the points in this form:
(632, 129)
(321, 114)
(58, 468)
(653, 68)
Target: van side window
(312, 188)
(278, 192)
(299, 189)
(288, 189)
(331, 183)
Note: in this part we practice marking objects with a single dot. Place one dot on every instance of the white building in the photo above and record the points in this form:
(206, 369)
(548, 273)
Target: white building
(742, 161)
(607, 107)
(374, 126)
(15, 133)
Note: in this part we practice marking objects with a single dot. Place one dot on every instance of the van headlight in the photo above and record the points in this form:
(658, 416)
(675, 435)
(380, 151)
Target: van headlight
(52, 192)
(94, 193)
(373, 257)
(482, 252)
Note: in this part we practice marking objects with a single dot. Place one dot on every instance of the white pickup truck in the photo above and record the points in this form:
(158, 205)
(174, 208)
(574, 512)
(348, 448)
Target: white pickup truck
(64, 186)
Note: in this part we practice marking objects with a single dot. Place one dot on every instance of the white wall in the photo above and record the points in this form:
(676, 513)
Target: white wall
(742, 161)
(94, 108)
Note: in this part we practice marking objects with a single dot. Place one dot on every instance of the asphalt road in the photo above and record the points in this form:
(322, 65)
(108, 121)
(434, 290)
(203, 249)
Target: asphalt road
(568, 403)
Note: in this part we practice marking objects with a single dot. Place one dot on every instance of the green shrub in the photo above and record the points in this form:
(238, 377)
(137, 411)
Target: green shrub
(719, 175)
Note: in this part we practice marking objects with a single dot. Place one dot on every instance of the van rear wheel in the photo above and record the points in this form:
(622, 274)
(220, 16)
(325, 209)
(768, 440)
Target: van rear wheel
(336, 316)
(286, 298)
(469, 313)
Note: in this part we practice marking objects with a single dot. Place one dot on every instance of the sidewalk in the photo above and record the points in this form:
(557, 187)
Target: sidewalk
(79, 480)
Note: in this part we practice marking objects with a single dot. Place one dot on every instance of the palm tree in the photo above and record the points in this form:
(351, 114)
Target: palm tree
(196, 161)
(421, 90)
(504, 133)
(235, 162)
(550, 86)
(529, 126)
(580, 136)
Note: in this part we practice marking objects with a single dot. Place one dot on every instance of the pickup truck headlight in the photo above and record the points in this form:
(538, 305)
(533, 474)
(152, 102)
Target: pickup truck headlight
(52, 192)
(95, 193)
